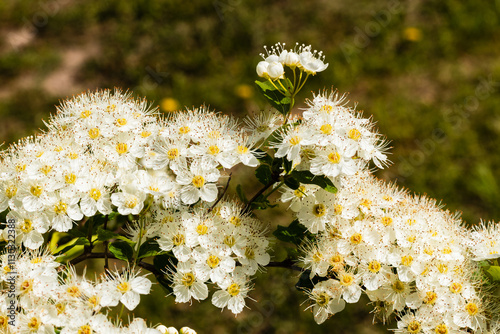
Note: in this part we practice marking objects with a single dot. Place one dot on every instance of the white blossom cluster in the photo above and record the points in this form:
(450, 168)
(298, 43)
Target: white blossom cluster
(52, 298)
(222, 246)
(406, 253)
(302, 57)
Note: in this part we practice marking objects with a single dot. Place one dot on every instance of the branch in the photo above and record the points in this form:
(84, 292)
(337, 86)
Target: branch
(223, 193)
(288, 264)
(260, 192)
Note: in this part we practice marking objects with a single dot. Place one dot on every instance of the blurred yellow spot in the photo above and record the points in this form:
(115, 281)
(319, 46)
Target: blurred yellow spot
(169, 104)
(244, 91)
(412, 34)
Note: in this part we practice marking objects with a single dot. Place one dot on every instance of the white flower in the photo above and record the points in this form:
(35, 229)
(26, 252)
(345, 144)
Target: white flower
(198, 182)
(125, 288)
(186, 285)
(317, 210)
(327, 301)
(311, 62)
(233, 293)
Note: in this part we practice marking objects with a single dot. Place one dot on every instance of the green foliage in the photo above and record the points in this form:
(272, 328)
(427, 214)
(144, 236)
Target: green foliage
(309, 178)
(149, 248)
(279, 101)
(122, 250)
(295, 233)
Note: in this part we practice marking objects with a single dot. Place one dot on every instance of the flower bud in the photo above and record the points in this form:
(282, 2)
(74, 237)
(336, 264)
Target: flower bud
(275, 70)
(187, 330)
(262, 69)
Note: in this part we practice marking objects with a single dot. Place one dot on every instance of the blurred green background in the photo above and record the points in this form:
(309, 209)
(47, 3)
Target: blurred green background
(428, 72)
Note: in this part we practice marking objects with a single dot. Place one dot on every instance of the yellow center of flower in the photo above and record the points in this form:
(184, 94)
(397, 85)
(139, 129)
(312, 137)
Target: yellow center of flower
(229, 241)
(95, 194)
(121, 122)
(85, 113)
(36, 260)
(188, 279)
(336, 260)
(111, 108)
(430, 298)
(85, 329)
(334, 157)
(446, 250)
(214, 134)
(213, 261)
(131, 203)
(60, 208)
(319, 210)
(354, 134)
(27, 226)
(4, 321)
(241, 149)
(322, 299)
(178, 239)
(386, 221)
(183, 130)
(374, 266)
(72, 155)
(34, 324)
(10, 191)
(59, 149)
(121, 148)
(154, 189)
(20, 167)
(236, 221)
(60, 307)
(441, 329)
(295, 140)
(198, 181)
(249, 253)
(145, 134)
(411, 238)
(46, 169)
(398, 286)
(472, 308)
(429, 251)
(167, 219)
(213, 150)
(234, 289)
(39, 154)
(299, 192)
(326, 129)
(70, 178)
(411, 222)
(6, 269)
(326, 109)
(93, 301)
(317, 257)
(202, 229)
(456, 287)
(356, 238)
(414, 327)
(337, 209)
(123, 287)
(406, 260)
(346, 279)
(173, 153)
(27, 285)
(74, 291)
(94, 133)
(366, 203)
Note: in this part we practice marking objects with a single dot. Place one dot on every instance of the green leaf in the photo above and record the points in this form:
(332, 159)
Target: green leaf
(149, 248)
(263, 157)
(306, 283)
(105, 235)
(494, 273)
(81, 241)
(309, 178)
(294, 233)
(121, 250)
(164, 263)
(279, 101)
(291, 183)
(241, 194)
(264, 174)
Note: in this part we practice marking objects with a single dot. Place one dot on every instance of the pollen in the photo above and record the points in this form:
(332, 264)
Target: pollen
(20, 167)
(173, 153)
(406, 260)
(121, 148)
(236, 221)
(295, 140)
(121, 122)
(111, 108)
(317, 257)
(234, 289)
(213, 150)
(85, 329)
(27, 285)
(198, 181)
(145, 134)
(430, 298)
(27, 226)
(60, 208)
(398, 286)
(229, 241)
(366, 203)
(93, 301)
(213, 261)
(334, 157)
(354, 134)
(374, 266)
(456, 287)
(72, 155)
(241, 149)
(202, 229)
(442, 268)
(70, 178)
(327, 109)
(10, 191)
(214, 134)
(319, 210)
(322, 299)
(346, 279)
(94, 133)
(337, 209)
(95, 194)
(123, 287)
(411, 238)
(188, 279)
(326, 129)
(441, 329)
(46, 169)
(154, 189)
(410, 222)
(34, 324)
(60, 307)
(178, 239)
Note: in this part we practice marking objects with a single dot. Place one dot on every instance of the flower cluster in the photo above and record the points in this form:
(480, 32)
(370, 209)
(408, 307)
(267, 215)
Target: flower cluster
(222, 245)
(52, 300)
(302, 57)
